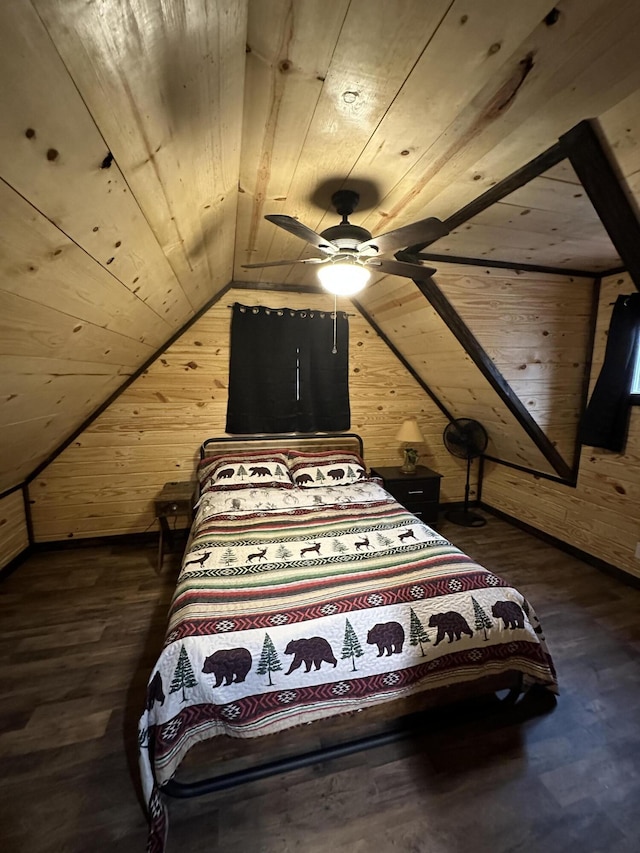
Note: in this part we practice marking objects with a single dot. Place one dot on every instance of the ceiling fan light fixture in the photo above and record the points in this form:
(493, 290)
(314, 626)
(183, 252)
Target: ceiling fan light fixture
(344, 277)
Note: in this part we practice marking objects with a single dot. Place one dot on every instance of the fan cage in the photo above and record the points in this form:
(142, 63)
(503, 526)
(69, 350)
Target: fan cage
(467, 439)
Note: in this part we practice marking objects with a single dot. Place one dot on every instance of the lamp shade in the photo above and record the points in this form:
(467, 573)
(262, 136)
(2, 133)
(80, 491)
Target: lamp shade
(343, 277)
(410, 431)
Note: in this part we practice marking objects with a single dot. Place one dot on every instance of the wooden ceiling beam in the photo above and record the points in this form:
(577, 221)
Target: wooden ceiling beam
(589, 154)
(516, 266)
(533, 169)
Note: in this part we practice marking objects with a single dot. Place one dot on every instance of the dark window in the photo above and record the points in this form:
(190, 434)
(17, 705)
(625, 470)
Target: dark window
(605, 421)
(288, 371)
(635, 382)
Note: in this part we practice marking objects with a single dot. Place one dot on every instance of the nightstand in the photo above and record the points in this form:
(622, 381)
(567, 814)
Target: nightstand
(175, 500)
(419, 492)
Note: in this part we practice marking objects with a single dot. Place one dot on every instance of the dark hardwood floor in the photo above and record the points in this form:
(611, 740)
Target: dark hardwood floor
(79, 634)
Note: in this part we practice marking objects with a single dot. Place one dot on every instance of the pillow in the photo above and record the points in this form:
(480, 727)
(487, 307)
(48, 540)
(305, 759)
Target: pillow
(250, 468)
(326, 468)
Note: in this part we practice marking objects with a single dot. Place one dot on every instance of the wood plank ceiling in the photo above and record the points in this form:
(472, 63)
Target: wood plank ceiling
(142, 143)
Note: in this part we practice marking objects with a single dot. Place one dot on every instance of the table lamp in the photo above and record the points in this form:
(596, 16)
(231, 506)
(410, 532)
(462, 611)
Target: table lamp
(409, 433)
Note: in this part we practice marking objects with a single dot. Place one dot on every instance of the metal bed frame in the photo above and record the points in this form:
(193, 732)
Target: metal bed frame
(404, 728)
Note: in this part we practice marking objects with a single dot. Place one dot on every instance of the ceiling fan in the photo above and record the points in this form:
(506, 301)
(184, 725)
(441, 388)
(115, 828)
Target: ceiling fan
(351, 253)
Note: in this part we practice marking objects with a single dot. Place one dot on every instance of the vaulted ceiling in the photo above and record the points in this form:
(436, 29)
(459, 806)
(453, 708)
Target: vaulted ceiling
(142, 143)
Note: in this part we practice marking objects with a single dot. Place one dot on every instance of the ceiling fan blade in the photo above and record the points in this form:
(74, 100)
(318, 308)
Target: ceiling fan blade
(284, 263)
(293, 226)
(400, 268)
(424, 231)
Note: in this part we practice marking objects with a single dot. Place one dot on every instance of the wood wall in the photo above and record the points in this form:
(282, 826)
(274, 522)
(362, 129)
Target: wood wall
(523, 323)
(14, 537)
(119, 159)
(105, 482)
(537, 330)
(141, 143)
(602, 514)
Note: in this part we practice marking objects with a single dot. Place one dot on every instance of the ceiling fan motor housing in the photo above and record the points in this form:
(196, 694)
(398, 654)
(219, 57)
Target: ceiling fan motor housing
(345, 235)
(354, 234)
(345, 201)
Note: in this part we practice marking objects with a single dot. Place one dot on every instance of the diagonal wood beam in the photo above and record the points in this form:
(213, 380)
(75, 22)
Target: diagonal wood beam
(589, 154)
(533, 169)
(591, 158)
(516, 266)
(485, 365)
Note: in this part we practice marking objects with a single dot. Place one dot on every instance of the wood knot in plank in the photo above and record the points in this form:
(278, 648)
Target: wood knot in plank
(506, 94)
(553, 17)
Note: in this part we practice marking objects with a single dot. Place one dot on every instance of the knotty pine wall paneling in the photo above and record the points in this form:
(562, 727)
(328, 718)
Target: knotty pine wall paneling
(106, 480)
(14, 536)
(164, 83)
(417, 331)
(602, 514)
(536, 328)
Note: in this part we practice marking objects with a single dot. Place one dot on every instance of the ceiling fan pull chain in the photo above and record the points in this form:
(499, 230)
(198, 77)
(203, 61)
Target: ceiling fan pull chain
(335, 319)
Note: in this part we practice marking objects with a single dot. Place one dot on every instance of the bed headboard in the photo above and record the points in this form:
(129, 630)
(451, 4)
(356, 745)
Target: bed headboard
(309, 442)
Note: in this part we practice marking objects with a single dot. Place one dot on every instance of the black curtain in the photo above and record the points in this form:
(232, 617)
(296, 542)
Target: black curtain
(284, 375)
(604, 423)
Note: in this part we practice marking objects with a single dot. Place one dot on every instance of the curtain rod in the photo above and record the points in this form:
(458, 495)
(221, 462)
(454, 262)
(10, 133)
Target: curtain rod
(346, 313)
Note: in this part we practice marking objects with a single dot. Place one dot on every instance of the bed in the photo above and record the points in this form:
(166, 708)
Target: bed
(307, 594)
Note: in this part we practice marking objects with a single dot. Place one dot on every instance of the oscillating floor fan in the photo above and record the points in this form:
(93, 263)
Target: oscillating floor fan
(466, 439)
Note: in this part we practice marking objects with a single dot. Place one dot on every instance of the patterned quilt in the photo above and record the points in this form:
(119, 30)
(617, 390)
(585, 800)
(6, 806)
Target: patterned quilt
(293, 605)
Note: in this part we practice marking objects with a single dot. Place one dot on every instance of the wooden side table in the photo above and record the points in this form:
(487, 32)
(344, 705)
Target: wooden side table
(419, 492)
(175, 499)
